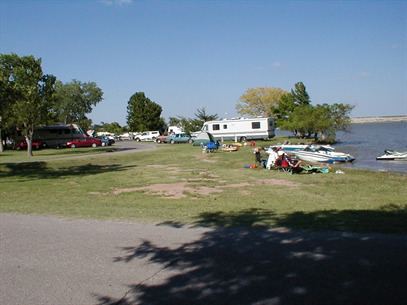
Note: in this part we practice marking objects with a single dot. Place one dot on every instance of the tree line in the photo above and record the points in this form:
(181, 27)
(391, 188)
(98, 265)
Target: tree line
(29, 98)
(294, 112)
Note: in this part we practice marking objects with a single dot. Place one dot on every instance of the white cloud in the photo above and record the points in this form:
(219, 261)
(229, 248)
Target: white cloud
(276, 64)
(116, 2)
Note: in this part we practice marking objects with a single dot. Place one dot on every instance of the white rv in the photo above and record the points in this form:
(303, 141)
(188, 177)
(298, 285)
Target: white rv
(241, 129)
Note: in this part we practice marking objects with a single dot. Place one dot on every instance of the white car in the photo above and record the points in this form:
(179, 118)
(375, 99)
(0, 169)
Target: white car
(147, 136)
(126, 136)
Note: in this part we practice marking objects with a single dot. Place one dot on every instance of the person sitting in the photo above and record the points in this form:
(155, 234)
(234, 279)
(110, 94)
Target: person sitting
(291, 165)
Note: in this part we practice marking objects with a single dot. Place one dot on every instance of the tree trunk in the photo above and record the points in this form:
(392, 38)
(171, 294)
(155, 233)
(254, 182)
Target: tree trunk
(29, 138)
(1, 141)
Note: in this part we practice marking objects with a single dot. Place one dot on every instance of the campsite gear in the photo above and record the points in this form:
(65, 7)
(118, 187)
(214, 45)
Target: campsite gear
(229, 148)
(203, 138)
(211, 147)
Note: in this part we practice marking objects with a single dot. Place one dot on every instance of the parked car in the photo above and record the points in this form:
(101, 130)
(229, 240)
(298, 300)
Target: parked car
(35, 144)
(179, 138)
(126, 136)
(147, 136)
(84, 142)
(106, 141)
(161, 139)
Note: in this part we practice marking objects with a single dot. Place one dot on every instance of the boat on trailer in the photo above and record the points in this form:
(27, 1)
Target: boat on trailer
(393, 155)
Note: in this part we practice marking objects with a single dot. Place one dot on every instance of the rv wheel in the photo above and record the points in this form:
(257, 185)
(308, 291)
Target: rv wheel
(243, 139)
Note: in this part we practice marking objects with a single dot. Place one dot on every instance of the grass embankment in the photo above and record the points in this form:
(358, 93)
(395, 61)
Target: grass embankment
(178, 184)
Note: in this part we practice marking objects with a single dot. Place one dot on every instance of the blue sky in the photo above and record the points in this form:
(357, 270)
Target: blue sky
(190, 54)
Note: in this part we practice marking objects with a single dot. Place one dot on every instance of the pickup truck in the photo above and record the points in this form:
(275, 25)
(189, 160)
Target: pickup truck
(147, 136)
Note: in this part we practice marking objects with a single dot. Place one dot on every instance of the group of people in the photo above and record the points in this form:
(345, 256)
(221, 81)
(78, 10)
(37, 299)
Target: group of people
(277, 159)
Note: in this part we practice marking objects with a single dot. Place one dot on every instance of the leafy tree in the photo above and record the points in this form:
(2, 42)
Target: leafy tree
(32, 91)
(300, 95)
(190, 125)
(320, 121)
(143, 114)
(260, 101)
(113, 127)
(285, 108)
(74, 100)
(7, 62)
(201, 115)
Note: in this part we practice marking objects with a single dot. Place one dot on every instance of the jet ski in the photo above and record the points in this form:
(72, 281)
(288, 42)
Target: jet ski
(393, 155)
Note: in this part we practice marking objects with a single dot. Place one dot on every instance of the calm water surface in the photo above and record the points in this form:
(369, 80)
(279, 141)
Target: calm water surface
(367, 141)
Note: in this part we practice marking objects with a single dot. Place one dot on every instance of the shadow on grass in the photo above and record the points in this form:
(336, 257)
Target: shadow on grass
(247, 265)
(39, 170)
(388, 219)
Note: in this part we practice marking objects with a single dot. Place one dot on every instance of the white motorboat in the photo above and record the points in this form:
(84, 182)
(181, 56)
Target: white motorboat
(313, 153)
(393, 155)
(293, 147)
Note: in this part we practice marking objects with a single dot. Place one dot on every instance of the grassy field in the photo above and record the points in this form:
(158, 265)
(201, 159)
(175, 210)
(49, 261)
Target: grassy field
(178, 184)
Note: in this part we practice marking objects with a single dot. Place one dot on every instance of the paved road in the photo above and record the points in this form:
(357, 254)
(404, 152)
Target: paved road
(48, 260)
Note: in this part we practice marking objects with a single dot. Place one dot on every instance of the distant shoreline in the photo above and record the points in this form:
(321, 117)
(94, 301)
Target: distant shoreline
(379, 119)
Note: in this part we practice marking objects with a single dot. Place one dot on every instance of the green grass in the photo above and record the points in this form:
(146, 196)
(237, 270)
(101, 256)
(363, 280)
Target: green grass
(359, 200)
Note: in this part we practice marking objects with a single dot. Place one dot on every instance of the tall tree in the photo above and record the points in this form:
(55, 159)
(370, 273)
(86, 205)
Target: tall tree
(260, 101)
(143, 114)
(33, 92)
(201, 115)
(300, 95)
(7, 83)
(74, 100)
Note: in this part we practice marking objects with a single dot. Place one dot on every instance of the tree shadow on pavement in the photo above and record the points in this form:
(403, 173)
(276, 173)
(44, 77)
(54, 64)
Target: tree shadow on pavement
(39, 170)
(252, 265)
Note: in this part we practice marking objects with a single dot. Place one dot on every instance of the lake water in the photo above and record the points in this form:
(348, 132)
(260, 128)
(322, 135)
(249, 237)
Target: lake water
(367, 141)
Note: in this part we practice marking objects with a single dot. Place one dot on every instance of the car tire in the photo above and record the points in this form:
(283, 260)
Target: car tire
(94, 145)
(190, 141)
(103, 144)
(137, 140)
(172, 142)
(158, 141)
(73, 145)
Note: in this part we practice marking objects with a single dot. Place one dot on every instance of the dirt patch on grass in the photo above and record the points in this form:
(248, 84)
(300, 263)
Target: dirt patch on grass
(169, 190)
(279, 182)
(183, 189)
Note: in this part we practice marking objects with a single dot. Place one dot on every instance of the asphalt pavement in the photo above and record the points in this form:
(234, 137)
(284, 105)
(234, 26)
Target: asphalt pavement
(50, 260)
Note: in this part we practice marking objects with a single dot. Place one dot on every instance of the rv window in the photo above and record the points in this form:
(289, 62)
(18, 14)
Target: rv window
(255, 125)
(215, 127)
(225, 126)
